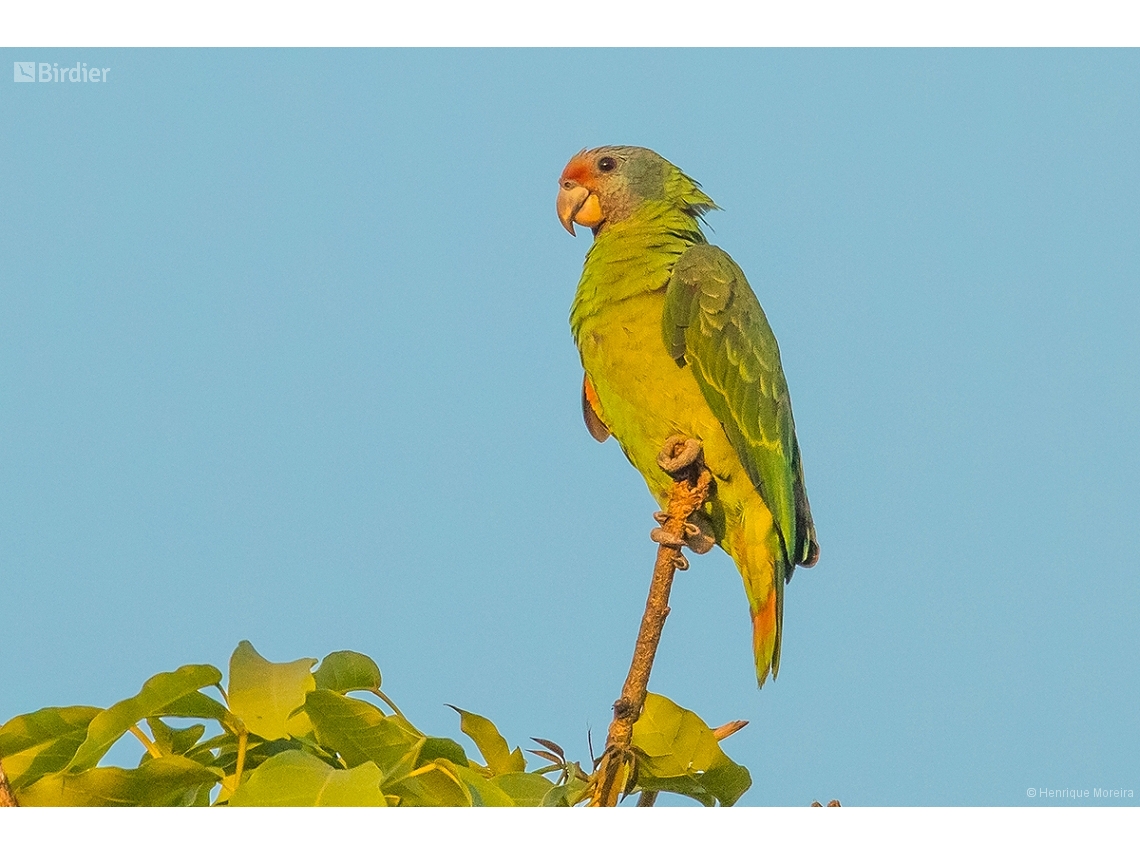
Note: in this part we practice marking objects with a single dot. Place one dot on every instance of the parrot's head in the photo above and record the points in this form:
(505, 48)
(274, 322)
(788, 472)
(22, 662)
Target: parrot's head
(609, 184)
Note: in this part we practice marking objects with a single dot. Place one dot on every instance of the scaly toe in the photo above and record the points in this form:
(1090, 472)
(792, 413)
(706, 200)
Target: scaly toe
(659, 535)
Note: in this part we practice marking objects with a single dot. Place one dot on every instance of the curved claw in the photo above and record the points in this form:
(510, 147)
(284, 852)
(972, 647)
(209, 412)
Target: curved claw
(697, 539)
(681, 562)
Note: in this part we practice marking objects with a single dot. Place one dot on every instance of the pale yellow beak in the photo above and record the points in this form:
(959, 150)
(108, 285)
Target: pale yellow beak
(578, 205)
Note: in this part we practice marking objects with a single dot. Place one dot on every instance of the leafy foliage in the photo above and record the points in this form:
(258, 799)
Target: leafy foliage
(680, 754)
(292, 736)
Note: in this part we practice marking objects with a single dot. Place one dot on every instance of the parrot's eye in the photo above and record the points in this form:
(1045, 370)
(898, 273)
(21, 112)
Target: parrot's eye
(607, 164)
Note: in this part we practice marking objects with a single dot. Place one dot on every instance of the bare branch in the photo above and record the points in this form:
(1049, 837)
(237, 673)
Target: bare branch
(682, 459)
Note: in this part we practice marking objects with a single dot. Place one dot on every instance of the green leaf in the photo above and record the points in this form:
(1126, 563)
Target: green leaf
(684, 785)
(673, 738)
(438, 786)
(162, 782)
(42, 742)
(347, 671)
(361, 733)
(525, 789)
(567, 794)
(496, 754)
(174, 740)
(440, 746)
(264, 694)
(484, 791)
(679, 753)
(223, 743)
(727, 781)
(256, 754)
(161, 689)
(297, 779)
(199, 705)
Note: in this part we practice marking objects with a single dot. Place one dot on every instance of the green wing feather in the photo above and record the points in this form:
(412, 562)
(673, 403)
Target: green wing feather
(714, 323)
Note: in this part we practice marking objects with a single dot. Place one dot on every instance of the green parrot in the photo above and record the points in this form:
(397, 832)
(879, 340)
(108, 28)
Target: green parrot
(673, 341)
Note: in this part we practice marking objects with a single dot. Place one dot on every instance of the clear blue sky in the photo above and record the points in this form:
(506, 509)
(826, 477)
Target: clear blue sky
(284, 356)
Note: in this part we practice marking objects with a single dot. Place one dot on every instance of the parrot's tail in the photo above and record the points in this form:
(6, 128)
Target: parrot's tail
(759, 556)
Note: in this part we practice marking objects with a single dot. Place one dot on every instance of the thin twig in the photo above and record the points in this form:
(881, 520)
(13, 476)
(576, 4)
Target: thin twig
(681, 458)
(7, 797)
(148, 744)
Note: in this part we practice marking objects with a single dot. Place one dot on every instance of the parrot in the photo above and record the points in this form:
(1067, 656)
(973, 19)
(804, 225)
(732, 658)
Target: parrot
(672, 341)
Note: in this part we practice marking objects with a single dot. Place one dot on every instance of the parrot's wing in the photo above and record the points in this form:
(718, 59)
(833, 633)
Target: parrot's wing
(594, 424)
(714, 323)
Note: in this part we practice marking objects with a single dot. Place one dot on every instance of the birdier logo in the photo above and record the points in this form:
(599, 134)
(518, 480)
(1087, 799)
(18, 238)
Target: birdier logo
(51, 72)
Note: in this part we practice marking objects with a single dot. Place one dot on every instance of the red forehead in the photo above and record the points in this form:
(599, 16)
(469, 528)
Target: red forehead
(579, 169)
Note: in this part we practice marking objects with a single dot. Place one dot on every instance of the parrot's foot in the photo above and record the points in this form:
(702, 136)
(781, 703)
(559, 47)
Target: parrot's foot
(681, 459)
(696, 536)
